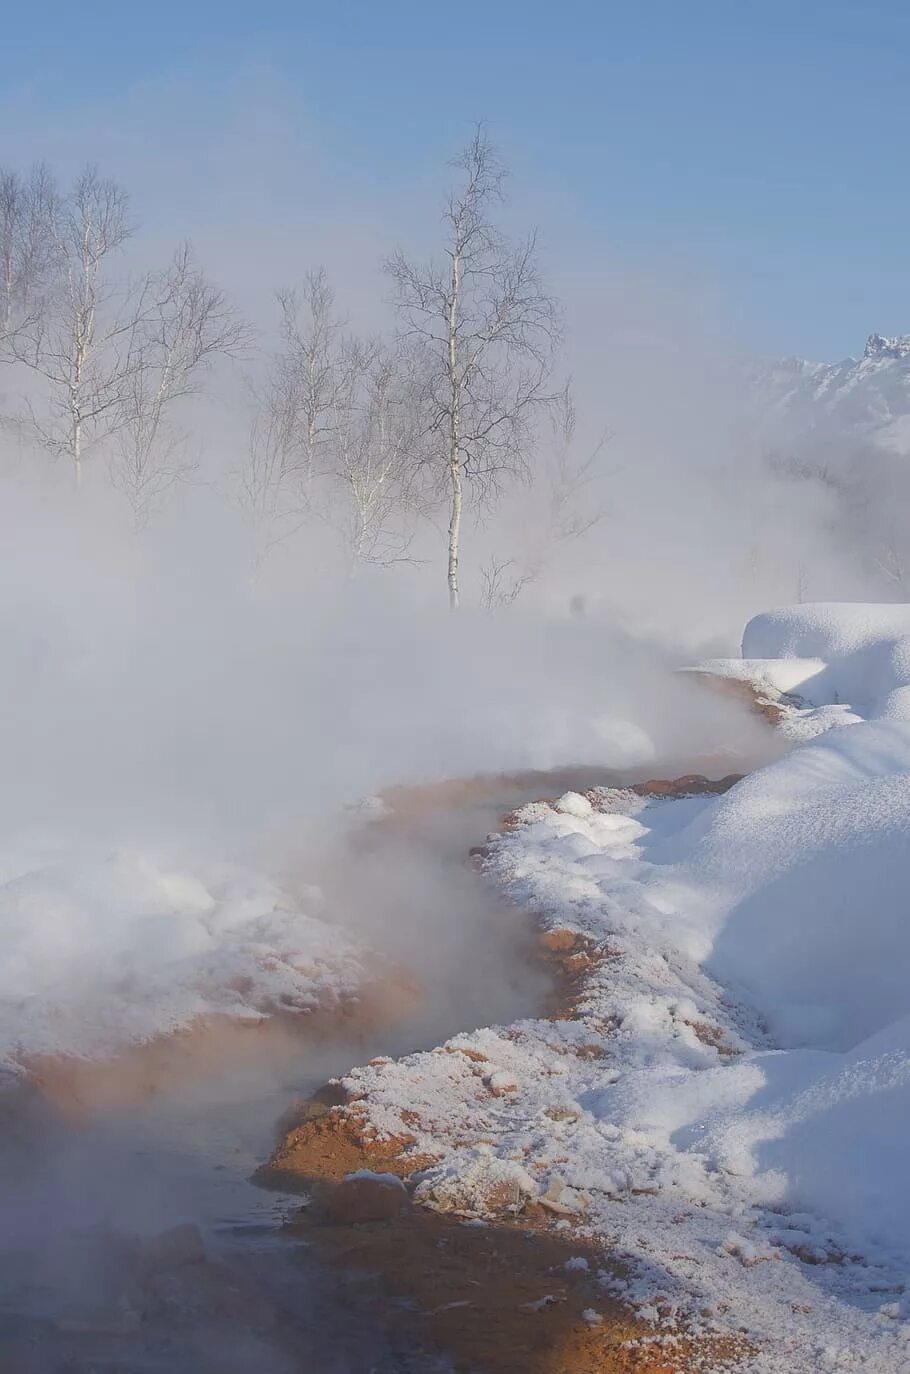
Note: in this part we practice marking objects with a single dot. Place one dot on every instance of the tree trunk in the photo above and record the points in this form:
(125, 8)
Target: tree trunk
(77, 449)
(454, 531)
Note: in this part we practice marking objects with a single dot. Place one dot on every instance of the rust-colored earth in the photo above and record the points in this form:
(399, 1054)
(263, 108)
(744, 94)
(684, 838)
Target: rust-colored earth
(498, 1299)
(171, 1063)
(495, 1297)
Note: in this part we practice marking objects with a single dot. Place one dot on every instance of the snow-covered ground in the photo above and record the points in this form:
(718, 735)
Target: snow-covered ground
(103, 949)
(730, 1105)
(838, 663)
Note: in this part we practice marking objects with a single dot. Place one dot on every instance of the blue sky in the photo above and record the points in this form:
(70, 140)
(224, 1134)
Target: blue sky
(755, 145)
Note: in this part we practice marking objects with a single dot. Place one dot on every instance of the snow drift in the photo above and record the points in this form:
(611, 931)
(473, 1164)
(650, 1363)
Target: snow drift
(729, 1100)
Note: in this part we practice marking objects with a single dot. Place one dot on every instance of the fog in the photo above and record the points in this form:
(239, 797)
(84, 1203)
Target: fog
(191, 730)
(200, 685)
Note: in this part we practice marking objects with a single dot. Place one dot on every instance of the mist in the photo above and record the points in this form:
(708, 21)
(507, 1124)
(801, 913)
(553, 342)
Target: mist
(202, 723)
(193, 705)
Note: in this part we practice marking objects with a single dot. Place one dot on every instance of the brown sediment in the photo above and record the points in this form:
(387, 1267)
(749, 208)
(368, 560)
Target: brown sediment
(495, 1296)
(500, 1298)
(761, 698)
(463, 792)
(690, 785)
(170, 1063)
(569, 958)
(504, 1297)
(328, 1144)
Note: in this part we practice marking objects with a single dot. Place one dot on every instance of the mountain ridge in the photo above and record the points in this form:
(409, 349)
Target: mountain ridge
(869, 395)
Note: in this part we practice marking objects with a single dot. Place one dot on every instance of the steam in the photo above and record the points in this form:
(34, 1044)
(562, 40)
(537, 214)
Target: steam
(182, 741)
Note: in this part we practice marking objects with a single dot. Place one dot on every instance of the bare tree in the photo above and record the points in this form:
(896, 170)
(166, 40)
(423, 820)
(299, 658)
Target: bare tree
(488, 329)
(181, 323)
(376, 486)
(269, 482)
(574, 502)
(28, 248)
(571, 506)
(317, 367)
(81, 344)
(334, 435)
(502, 582)
(296, 411)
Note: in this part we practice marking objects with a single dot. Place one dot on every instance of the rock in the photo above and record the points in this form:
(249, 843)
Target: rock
(559, 940)
(564, 1201)
(503, 1195)
(692, 784)
(483, 1185)
(500, 1084)
(672, 787)
(173, 1248)
(365, 1196)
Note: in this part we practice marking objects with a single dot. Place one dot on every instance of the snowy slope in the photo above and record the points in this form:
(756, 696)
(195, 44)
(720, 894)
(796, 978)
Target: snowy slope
(870, 395)
(730, 1103)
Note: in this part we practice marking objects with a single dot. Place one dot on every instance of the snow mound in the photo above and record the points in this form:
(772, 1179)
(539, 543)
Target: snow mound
(790, 887)
(824, 629)
(826, 664)
(104, 950)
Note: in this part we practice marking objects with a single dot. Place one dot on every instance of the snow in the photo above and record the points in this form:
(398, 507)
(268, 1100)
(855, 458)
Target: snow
(106, 949)
(864, 396)
(729, 1104)
(826, 664)
(386, 1180)
(824, 630)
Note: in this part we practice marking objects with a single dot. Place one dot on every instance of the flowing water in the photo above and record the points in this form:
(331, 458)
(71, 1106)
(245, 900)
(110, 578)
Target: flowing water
(79, 1192)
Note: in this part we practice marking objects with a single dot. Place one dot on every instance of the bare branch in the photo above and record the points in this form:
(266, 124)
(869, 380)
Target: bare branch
(179, 325)
(487, 330)
(75, 341)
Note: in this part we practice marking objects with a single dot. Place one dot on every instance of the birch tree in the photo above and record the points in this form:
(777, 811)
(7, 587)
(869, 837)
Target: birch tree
(269, 488)
(79, 346)
(317, 367)
(180, 325)
(331, 438)
(488, 330)
(376, 487)
(296, 411)
(28, 250)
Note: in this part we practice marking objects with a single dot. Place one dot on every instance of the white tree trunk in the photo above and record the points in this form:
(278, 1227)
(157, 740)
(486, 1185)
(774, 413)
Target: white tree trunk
(77, 447)
(454, 531)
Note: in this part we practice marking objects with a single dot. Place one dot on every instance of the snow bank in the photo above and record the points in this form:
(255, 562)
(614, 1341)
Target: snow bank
(759, 1072)
(752, 1188)
(730, 1103)
(789, 893)
(838, 654)
(825, 665)
(791, 888)
(823, 629)
(103, 950)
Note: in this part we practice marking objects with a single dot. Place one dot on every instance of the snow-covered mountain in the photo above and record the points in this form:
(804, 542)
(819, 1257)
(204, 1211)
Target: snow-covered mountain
(867, 396)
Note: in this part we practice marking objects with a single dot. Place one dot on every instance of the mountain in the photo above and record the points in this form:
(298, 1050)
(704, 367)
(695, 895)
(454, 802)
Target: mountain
(867, 397)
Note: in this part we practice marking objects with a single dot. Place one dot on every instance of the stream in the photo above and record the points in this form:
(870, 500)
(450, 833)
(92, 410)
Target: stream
(80, 1194)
